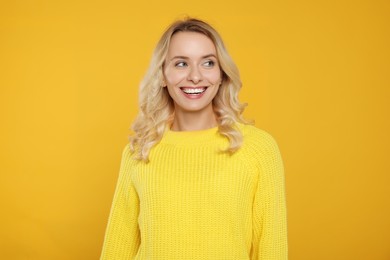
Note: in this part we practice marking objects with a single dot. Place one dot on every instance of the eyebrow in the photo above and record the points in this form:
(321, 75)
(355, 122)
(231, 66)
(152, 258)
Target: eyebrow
(186, 58)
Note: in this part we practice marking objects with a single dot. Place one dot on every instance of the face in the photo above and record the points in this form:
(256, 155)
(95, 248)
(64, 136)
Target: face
(191, 72)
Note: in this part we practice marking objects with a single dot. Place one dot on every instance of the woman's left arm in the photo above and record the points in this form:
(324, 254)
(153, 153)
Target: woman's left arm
(269, 208)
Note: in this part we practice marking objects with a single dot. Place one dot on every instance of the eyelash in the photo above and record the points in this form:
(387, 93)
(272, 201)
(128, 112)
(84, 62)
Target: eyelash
(211, 63)
(183, 63)
(178, 64)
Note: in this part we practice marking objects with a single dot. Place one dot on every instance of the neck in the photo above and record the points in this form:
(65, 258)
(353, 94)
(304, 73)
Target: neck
(194, 120)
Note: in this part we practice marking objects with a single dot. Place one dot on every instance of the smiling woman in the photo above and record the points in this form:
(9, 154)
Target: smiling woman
(196, 181)
(192, 76)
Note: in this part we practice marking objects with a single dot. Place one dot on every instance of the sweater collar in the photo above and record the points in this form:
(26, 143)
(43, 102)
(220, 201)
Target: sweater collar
(190, 137)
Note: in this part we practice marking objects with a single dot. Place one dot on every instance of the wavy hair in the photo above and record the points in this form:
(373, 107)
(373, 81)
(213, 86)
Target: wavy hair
(157, 108)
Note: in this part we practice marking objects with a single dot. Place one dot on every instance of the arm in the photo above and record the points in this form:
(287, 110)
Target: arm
(269, 208)
(122, 237)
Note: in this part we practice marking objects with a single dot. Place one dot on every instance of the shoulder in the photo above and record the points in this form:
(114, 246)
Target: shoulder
(126, 151)
(128, 156)
(257, 138)
(260, 148)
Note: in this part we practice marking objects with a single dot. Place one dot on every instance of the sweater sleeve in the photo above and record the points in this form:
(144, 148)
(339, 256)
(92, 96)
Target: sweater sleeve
(269, 239)
(122, 237)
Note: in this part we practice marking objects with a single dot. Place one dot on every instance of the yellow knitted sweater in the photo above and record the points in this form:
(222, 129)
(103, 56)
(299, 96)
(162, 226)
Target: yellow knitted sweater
(192, 201)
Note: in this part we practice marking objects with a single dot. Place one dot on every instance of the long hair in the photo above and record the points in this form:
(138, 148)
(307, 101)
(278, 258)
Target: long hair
(156, 106)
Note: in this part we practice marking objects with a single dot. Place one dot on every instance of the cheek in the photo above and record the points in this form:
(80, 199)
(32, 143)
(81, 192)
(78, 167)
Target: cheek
(174, 77)
(213, 77)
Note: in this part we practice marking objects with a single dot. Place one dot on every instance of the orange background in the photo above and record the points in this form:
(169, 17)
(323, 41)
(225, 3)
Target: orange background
(315, 74)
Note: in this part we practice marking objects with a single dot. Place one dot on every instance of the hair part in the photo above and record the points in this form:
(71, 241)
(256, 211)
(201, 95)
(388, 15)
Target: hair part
(157, 107)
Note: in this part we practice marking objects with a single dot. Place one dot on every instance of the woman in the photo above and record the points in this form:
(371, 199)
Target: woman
(196, 181)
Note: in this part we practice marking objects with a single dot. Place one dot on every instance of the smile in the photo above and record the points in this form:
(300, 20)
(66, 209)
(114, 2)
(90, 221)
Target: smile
(193, 91)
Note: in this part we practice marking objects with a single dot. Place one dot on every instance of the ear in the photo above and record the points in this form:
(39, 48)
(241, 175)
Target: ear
(163, 84)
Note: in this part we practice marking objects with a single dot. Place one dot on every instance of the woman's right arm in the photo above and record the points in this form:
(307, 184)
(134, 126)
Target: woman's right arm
(122, 238)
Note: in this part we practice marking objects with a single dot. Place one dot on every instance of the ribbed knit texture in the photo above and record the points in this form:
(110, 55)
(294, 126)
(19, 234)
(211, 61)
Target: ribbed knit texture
(192, 201)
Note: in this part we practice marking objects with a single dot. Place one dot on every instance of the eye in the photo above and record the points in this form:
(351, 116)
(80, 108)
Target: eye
(209, 63)
(181, 64)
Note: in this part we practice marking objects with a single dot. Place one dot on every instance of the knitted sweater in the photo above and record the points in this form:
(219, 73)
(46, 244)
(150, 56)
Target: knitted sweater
(192, 201)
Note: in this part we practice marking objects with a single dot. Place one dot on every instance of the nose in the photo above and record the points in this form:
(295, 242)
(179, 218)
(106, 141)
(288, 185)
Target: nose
(194, 75)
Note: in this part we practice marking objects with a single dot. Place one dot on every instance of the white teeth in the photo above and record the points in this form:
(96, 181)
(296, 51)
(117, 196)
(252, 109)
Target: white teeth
(193, 90)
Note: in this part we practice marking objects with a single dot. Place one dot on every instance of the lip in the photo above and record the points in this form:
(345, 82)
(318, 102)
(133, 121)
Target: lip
(193, 96)
(193, 87)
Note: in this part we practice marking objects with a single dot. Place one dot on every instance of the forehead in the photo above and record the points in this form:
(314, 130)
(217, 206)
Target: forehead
(190, 44)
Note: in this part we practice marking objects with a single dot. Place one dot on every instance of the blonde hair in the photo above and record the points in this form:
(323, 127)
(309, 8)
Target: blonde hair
(156, 106)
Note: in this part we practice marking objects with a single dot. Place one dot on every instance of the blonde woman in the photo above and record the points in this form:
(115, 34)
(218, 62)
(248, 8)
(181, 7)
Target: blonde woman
(196, 181)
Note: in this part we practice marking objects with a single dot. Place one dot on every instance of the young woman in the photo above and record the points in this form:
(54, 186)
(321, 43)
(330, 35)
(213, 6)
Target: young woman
(196, 181)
